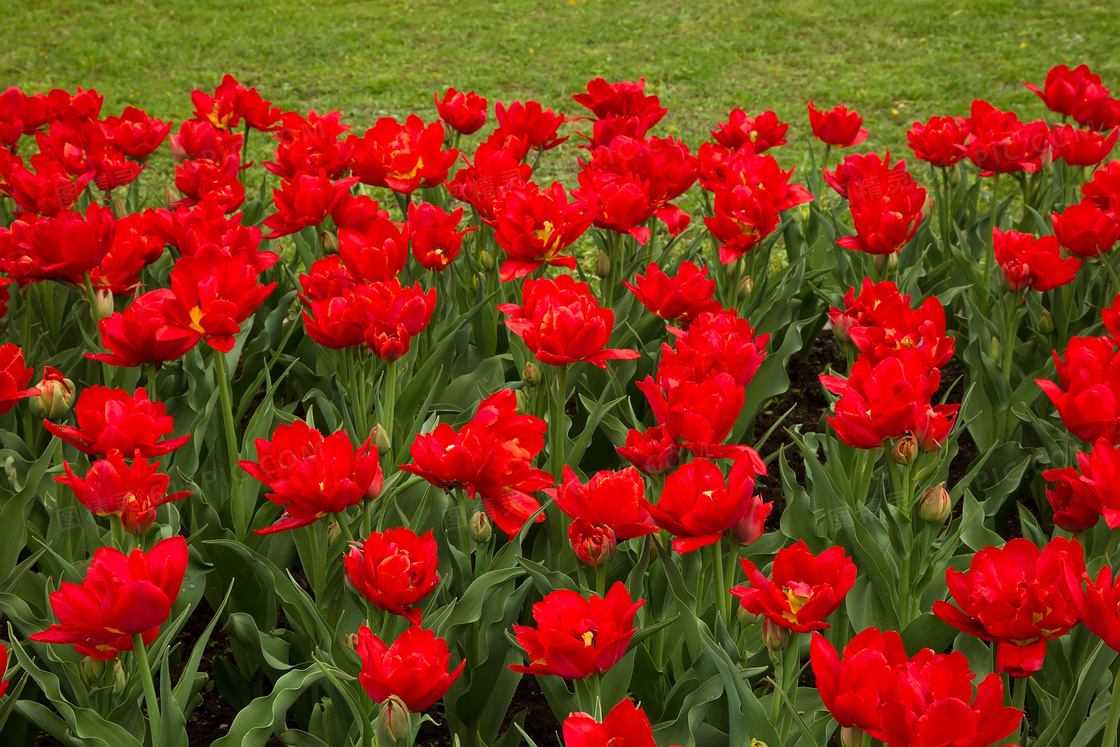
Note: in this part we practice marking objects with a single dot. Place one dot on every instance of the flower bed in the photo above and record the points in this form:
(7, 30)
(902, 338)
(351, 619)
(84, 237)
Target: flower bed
(418, 450)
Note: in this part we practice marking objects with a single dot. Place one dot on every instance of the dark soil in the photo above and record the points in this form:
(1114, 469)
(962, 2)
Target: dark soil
(540, 723)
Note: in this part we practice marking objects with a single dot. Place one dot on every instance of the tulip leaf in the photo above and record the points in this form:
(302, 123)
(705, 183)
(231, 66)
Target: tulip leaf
(13, 514)
(748, 719)
(297, 738)
(255, 724)
(545, 580)
(172, 724)
(928, 631)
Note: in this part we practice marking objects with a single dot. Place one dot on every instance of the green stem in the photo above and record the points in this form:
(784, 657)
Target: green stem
(721, 587)
(149, 686)
(95, 314)
(865, 740)
(1019, 700)
(464, 523)
(389, 401)
(601, 580)
(990, 259)
(116, 530)
(1110, 725)
(221, 371)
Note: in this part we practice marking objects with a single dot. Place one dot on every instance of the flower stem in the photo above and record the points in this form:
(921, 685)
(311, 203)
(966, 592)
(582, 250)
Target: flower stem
(1110, 725)
(389, 401)
(1019, 700)
(990, 240)
(721, 586)
(221, 371)
(149, 686)
(557, 434)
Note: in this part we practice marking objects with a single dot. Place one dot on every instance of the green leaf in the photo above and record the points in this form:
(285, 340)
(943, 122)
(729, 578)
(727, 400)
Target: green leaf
(255, 723)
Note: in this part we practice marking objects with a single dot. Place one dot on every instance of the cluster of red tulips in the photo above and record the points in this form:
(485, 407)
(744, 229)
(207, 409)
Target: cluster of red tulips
(399, 336)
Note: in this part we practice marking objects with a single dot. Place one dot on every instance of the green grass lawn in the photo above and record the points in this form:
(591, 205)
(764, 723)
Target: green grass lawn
(894, 61)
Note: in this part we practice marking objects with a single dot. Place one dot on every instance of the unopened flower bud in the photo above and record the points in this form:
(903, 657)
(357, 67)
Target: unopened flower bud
(774, 636)
(56, 395)
(485, 261)
(1045, 323)
(475, 283)
(103, 299)
(381, 439)
(352, 640)
(329, 242)
(119, 210)
(802, 213)
(602, 264)
(531, 375)
(746, 285)
(758, 743)
(886, 262)
(481, 529)
(593, 545)
(394, 722)
(996, 348)
(120, 679)
(851, 736)
(92, 670)
(171, 197)
(905, 449)
(745, 616)
(935, 505)
(333, 532)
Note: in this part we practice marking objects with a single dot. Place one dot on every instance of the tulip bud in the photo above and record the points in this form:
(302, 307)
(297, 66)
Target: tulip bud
(56, 395)
(593, 545)
(119, 210)
(996, 348)
(758, 743)
(485, 261)
(92, 670)
(394, 723)
(905, 449)
(352, 641)
(602, 264)
(955, 175)
(333, 532)
(746, 286)
(381, 439)
(120, 679)
(886, 262)
(801, 213)
(851, 736)
(475, 282)
(1045, 323)
(935, 505)
(172, 196)
(774, 636)
(481, 529)
(329, 242)
(531, 375)
(745, 617)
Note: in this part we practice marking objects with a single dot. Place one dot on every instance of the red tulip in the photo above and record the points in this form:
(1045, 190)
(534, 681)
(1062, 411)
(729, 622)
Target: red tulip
(561, 322)
(414, 668)
(1097, 602)
(463, 112)
(14, 377)
(880, 401)
(203, 180)
(680, 298)
(624, 99)
(716, 342)
(698, 504)
(699, 412)
(759, 172)
(356, 212)
(213, 295)
(1076, 506)
(61, 248)
(1079, 147)
(1104, 186)
(575, 636)
(884, 222)
(231, 103)
(855, 689)
(141, 333)
(999, 143)
(4, 297)
(1087, 395)
(312, 475)
(934, 705)
(802, 590)
(653, 451)
(46, 192)
(531, 123)
(625, 726)
(1032, 263)
(111, 419)
(480, 183)
(3, 669)
(402, 157)
(940, 141)
(756, 134)
(742, 218)
(534, 226)
(594, 545)
(839, 127)
(200, 139)
(136, 134)
(610, 499)
(113, 488)
(136, 244)
(311, 145)
(121, 595)
(1015, 596)
(376, 255)
(1068, 92)
(880, 323)
(305, 200)
(1086, 230)
(394, 570)
(868, 175)
(391, 315)
(433, 235)
(452, 459)
(1091, 490)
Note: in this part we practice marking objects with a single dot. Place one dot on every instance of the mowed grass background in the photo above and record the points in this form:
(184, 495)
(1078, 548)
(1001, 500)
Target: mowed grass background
(894, 61)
